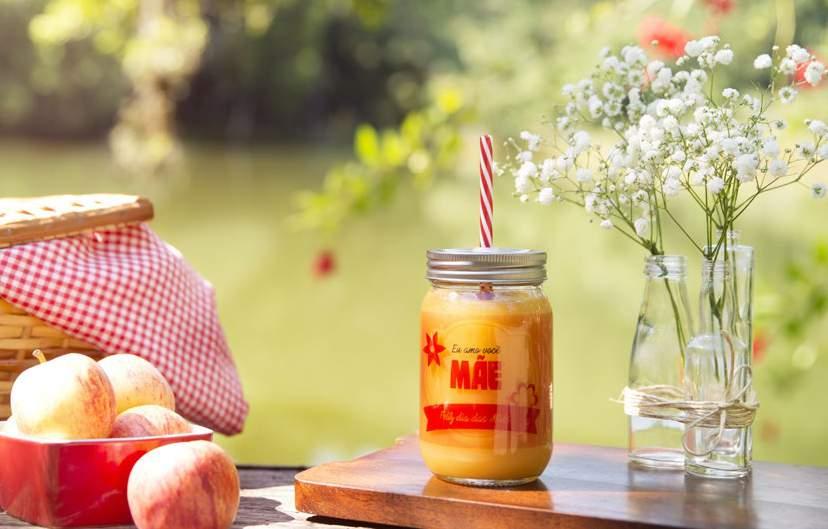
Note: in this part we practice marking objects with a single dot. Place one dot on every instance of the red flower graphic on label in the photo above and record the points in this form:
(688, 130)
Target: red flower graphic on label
(524, 395)
(433, 349)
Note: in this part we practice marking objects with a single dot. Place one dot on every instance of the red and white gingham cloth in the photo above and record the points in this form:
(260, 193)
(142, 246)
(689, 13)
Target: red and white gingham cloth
(125, 290)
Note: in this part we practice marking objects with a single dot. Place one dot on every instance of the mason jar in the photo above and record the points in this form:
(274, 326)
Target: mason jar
(486, 367)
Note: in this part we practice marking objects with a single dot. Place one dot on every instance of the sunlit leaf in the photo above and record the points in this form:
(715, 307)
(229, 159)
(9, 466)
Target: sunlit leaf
(392, 149)
(366, 145)
(449, 100)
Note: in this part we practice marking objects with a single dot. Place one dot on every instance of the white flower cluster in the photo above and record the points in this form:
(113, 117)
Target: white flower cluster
(674, 137)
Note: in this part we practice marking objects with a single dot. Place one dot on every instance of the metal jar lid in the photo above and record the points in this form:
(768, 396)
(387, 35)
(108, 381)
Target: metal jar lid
(498, 266)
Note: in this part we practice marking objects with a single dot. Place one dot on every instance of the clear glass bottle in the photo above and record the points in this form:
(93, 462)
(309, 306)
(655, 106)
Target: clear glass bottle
(719, 361)
(657, 362)
(486, 367)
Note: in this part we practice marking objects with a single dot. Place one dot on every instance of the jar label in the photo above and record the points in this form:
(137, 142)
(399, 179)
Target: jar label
(484, 374)
(481, 417)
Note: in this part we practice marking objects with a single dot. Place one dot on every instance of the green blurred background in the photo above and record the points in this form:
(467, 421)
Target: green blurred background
(304, 155)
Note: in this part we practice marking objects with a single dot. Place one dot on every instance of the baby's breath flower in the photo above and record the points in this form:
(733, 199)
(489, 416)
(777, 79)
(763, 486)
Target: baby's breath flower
(583, 174)
(595, 106)
(524, 156)
(823, 151)
(606, 224)
(819, 190)
(730, 93)
(777, 168)
(527, 170)
(653, 68)
(641, 226)
(581, 141)
(610, 64)
(662, 80)
(635, 77)
(693, 48)
(806, 149)
(547, 170)
(670, 123)
(770, 147)
(746, 165)
(787, 66)
(819, 128)
(532, 140)
(752, 102)
(762, 62)
(715, 185)
(671, 187)
(612, 108)
(546, 196)
(634, 56)
(730, 146)
(523, 184)
(671, 173)
(524, 198)
(814, 72)
(724, 57)
(797, 53)
(787, 94)
(700, 76)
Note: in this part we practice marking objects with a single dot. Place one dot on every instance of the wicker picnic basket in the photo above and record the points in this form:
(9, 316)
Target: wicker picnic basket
(26, 220)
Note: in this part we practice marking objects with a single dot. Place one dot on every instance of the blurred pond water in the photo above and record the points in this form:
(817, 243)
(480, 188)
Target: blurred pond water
(330, 365)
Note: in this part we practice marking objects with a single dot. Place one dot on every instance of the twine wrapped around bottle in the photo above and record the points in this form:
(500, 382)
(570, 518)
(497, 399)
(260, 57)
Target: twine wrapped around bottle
(668, 402)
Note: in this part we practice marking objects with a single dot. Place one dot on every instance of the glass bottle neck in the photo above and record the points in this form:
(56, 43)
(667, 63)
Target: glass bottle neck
(671, 267)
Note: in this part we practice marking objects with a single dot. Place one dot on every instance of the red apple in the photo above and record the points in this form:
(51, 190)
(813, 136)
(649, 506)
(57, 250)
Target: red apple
(136, 382)
(193, 485)
(149, 420)
(69, 397)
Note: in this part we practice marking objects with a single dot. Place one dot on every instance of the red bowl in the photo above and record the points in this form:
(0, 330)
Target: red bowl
(74, 483)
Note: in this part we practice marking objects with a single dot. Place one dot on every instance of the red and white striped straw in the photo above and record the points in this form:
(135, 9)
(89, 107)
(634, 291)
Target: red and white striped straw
(486, 202)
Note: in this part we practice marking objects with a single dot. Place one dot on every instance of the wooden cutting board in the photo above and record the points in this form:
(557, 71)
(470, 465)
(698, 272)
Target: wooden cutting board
(584, 487)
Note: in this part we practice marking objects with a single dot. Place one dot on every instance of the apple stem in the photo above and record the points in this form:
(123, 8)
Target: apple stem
(37, 353)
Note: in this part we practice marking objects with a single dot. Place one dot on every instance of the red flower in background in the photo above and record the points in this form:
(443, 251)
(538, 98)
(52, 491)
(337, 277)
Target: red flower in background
(721, 7)
(671, 39)
(324, 264)
(760, 345)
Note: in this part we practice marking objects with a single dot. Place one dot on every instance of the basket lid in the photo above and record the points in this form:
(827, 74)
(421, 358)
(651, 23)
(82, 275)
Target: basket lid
(24, 220)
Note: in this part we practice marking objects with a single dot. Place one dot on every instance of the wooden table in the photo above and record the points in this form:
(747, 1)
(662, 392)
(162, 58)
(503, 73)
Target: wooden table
(587, 486)
(267, 501)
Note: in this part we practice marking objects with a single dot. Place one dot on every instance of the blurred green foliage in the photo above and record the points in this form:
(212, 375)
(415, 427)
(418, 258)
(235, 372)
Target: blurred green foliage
(792, 319)
(248, 69)
(425, 144)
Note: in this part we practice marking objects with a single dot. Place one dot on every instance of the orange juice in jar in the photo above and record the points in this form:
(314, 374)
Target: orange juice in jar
(486, 367)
